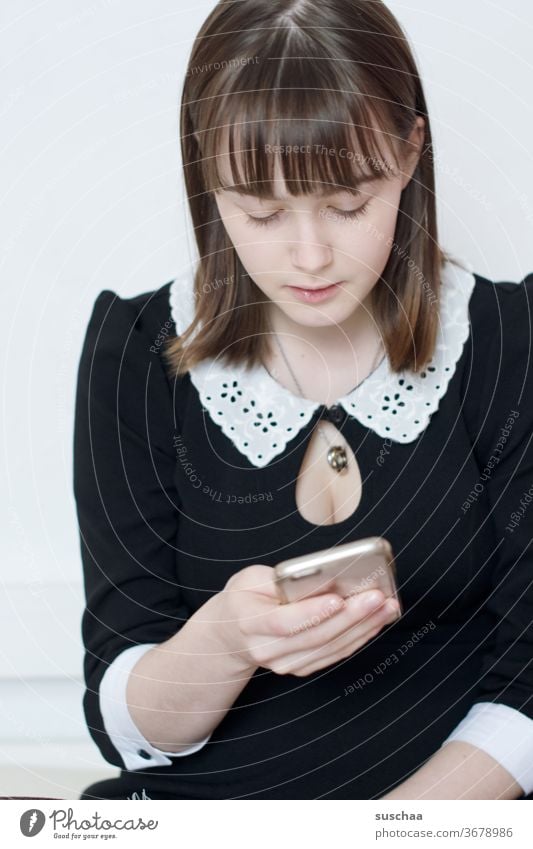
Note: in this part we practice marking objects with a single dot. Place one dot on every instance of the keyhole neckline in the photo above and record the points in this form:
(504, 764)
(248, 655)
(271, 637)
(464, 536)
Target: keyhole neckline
(350, 423)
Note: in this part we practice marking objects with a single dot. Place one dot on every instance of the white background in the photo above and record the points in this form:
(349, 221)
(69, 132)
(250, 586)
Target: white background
(92, 198)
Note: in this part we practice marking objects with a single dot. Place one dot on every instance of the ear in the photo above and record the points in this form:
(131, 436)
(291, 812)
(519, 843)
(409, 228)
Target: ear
(414, 145)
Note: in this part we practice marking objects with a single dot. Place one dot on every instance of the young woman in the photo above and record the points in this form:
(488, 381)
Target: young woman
(326, 373)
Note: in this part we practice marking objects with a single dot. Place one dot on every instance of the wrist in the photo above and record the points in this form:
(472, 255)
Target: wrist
(224, 630)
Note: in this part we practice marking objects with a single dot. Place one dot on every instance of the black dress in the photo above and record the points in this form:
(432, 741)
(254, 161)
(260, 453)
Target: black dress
(155, 547)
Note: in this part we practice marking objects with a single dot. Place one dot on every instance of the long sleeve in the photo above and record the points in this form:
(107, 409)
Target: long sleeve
(135, 750)
(505, 451)
(499, 410)
(504, 733)
(126, 501)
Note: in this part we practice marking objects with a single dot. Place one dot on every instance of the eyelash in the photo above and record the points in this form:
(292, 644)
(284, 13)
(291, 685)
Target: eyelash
(349, 214)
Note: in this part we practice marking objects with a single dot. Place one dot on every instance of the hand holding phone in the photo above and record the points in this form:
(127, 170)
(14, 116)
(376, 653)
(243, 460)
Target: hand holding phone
(301, 637)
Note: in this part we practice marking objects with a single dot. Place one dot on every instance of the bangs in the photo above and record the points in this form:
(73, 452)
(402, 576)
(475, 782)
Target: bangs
(282, 119)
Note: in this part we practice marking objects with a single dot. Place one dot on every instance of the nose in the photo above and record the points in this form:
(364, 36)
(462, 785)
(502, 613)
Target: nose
(310, 252)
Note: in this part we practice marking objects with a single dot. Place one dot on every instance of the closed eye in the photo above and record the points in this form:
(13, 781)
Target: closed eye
(344, 214)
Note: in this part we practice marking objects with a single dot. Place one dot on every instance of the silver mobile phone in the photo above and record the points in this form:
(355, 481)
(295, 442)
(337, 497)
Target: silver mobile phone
(352, 567)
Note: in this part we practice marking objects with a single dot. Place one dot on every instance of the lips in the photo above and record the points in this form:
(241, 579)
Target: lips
(316, 295)
(316, 288)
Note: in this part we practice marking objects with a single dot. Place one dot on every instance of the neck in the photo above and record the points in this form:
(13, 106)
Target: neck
(331, 360)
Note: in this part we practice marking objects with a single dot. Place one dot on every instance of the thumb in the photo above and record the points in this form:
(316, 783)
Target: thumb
(257, 578)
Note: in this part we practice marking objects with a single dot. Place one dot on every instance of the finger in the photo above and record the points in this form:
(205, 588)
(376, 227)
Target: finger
(343, 645)
(362, 604)
(357, 612)
(256, 578)
(343, 653)
(284, 620)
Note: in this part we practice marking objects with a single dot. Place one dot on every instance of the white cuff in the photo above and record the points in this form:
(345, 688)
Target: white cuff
(135, 750)
(504, 733)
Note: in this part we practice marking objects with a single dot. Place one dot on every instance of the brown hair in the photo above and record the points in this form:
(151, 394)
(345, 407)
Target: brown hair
(340, 74)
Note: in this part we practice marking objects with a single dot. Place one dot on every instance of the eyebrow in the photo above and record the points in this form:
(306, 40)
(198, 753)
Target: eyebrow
(323, 193)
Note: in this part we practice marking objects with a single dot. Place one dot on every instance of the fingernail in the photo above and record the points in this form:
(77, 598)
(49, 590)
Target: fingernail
(393, 606)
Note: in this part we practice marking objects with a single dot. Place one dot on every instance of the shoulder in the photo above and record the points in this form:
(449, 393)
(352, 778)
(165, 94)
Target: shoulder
(145, 314)
(498, 375)
(124, 338)
(121, 376)
(501, 330)
(501, 308)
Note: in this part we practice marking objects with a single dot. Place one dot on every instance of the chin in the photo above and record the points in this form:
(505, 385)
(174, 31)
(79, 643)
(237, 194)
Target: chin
(311, 317)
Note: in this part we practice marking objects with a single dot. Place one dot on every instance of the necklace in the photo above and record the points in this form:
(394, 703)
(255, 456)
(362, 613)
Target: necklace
(336, 456)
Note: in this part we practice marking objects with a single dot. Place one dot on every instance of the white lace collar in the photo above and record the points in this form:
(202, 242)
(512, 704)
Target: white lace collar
(260, 416)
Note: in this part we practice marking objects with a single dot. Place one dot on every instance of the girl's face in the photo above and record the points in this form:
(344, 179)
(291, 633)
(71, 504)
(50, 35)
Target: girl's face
(291, 245)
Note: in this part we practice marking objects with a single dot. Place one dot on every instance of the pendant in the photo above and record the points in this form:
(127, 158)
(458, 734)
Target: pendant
(337, 458)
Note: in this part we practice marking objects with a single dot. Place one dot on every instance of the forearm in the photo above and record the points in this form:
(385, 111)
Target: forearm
(179, 691)
(458, 770)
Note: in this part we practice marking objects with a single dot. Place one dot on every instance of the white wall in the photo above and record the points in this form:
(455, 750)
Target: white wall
(92, 198)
